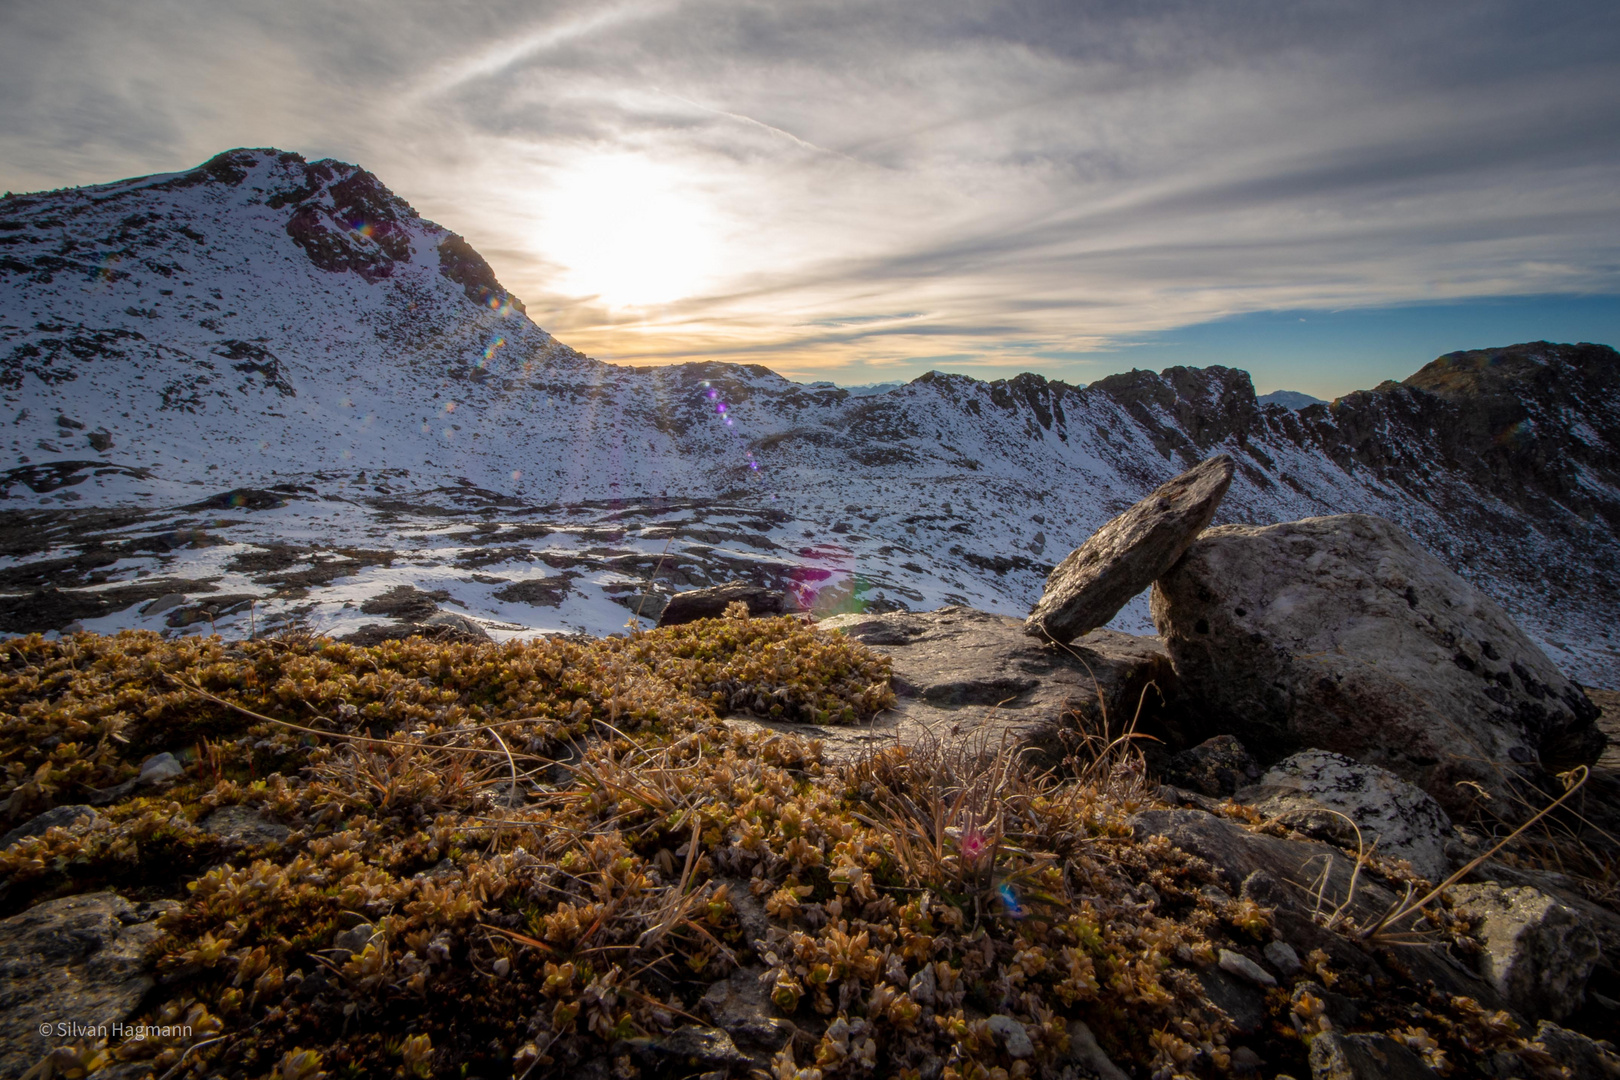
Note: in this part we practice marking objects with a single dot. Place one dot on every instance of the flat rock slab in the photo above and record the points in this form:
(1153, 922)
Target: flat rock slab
(1123, 558)
(969, 679)
(711, 603)
(1341, 633)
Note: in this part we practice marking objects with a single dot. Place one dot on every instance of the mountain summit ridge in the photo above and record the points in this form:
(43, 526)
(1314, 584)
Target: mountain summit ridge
(264, 320)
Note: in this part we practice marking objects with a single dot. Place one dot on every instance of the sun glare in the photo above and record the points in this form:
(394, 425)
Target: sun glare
(629, 232)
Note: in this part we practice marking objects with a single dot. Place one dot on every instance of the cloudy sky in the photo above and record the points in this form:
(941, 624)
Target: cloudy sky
(1326, 193)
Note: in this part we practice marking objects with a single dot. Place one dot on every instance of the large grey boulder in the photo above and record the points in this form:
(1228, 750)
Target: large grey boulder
(968, 679)
(1341, 633)
(85, 959)
(1123, 557)
(1538, 953)
(1315, 791)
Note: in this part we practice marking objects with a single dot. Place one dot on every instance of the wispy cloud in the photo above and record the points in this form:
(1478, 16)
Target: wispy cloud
(1026, 181)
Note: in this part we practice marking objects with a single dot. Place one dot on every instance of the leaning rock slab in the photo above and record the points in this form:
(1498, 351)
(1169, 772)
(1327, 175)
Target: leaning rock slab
(1123, 557)
(1310, 790)
(1538, 952)
(711, 603)
(966, 678)
(1341, 633)
(86, 959)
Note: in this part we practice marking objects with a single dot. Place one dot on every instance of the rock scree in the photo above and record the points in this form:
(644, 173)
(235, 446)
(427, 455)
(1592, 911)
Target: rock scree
(1123, 557)
(1341, 633)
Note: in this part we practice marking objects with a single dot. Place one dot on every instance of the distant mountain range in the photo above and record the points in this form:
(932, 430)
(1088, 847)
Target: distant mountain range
(265, 322)
(1289, 399)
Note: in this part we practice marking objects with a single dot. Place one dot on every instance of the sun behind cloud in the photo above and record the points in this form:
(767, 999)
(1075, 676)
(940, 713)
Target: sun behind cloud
(629, 232)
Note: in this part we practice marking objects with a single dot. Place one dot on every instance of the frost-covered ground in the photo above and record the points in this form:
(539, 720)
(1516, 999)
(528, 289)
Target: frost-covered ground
(264, 323)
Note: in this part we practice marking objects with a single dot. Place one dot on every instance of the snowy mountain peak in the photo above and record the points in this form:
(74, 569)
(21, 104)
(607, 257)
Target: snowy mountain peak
(292, 345)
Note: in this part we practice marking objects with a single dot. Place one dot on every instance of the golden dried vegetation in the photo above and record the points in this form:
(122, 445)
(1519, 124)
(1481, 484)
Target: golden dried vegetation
(535, 858)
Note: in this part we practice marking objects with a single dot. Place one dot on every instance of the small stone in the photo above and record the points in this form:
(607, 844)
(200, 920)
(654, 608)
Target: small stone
(694, 1045)
(243, 826)
(164, 603)
(1215, 767)
(1538, 952)
(740, 1005)
(57, 817)
(1123, 557)
(1281, 955)
(460, 625)
(502, 966)
(160, 769)
(923, 985)
(1088, 1057)
(356, 938)
(1364, 1057)
(1014, 1039)
(1237, 964)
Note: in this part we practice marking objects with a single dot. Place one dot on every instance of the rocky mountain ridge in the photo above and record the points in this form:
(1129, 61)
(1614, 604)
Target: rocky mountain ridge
(263, 322)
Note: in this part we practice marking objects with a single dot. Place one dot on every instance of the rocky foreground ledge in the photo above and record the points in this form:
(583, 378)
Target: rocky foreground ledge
(1341, 820)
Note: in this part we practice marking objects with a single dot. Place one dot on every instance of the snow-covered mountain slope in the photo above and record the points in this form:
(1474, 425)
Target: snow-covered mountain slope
(263, 322)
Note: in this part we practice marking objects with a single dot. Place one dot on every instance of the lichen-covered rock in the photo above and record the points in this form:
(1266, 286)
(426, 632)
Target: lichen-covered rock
(57, 817)
(242, 826)
(1538, 952)
(85, 959)
(970, 679)
(1365, 1057)
(1123, 557)
(1310, 790)
(1340, 633)
(711, 603)
(741, 1007)
(1216, 767)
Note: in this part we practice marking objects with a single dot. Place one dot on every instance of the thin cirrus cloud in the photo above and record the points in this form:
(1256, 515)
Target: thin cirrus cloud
(1052, 186)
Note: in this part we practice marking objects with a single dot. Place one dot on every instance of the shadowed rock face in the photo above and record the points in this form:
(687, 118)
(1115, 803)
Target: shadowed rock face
(972, 680)
(1341, 633)
(1123, 557)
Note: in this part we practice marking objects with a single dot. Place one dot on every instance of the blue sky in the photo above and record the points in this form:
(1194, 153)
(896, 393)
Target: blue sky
(1327, 353)
(860, 190)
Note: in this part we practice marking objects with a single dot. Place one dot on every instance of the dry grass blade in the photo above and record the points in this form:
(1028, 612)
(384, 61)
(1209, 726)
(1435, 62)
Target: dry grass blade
(1408, 909)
